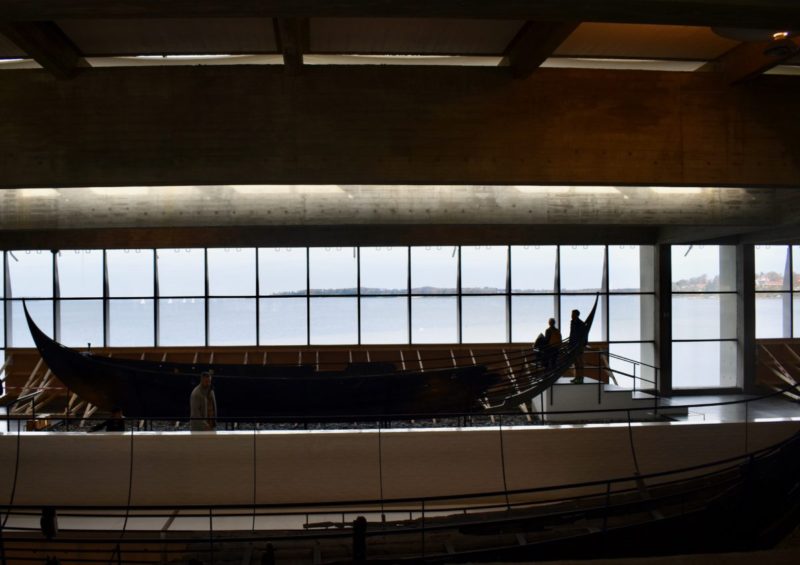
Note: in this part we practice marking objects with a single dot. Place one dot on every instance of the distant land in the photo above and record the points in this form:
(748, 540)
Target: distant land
(431, 290)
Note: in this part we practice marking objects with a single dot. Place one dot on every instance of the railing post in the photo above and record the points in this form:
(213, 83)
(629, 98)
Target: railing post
(360, 540)
(211, 533)
(268, 557)
(68, 411)
(599, 390)
(746, 426)
(423, 530)
(599, 366)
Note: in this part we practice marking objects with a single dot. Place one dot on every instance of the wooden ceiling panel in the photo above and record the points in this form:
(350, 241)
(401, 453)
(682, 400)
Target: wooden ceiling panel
(412, 36)
(644, 42)
(212, 36)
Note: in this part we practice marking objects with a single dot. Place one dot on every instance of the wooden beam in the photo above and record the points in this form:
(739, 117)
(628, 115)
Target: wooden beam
(47, 45)
(292, 37)
(754, 14)
(749, 60)
(534, 43)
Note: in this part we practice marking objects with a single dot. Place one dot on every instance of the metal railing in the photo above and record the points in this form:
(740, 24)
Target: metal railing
(302, 524)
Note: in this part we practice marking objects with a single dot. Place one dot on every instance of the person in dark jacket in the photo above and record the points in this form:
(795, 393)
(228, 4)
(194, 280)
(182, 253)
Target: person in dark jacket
(577, 337)
(552, 341)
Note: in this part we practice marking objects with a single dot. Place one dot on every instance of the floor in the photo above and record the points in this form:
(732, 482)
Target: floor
(732, 408)
(702, 408)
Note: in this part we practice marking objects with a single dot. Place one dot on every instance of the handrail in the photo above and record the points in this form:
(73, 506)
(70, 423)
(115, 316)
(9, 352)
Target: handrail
(569, 501)
(653, 389)
(628, 359)
(383, 418)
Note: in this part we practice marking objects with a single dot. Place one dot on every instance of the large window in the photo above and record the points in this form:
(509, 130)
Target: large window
(329, 295)
(80, 323)
(777, 284)
(80, 273)
(434, 270)
(30, 274)
(181, 272)
(29, 278)
(2, 323)
(283, 272)
(232, 272)
(79, 289)
(232, 321)
(131, 323)
(17, 332)
(181, 322)
(704, 316)
(130, 272)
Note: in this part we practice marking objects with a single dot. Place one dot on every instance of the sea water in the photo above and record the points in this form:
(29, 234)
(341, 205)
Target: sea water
(484, 319)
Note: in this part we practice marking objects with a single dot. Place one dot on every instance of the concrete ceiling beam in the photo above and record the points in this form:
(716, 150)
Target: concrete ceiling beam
(46, 44)
(750, 60)
(534, 43)
(292, 35)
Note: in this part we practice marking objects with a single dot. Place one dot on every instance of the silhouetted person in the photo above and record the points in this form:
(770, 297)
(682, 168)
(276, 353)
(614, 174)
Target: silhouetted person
(203, 406)
(268, 557)
(577, 338)
(116, 423)
(552, 341)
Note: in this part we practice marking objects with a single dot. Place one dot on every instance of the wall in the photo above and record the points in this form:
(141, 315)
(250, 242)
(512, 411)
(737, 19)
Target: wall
(304, 466)
(371, 124)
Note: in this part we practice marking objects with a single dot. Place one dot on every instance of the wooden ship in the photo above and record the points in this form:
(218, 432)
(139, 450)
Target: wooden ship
(492, 382)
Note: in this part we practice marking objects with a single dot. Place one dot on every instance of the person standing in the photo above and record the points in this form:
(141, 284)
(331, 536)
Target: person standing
(203, 406)
(577, 338)
(552, 341)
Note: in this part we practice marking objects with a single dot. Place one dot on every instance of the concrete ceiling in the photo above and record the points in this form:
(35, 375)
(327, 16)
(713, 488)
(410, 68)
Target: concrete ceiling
(350, 214)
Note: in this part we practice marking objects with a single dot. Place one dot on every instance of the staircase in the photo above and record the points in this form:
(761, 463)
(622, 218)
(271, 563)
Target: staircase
(590, 401)
(600, 398)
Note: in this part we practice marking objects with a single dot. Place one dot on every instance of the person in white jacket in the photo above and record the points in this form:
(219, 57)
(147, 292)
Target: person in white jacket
(203, 405)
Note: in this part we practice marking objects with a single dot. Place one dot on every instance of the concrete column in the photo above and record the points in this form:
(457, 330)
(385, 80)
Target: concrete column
(647, 312)
(786, 299)
(663, 329)
(746, 317)
(732, 273)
